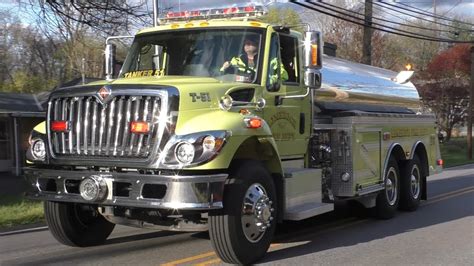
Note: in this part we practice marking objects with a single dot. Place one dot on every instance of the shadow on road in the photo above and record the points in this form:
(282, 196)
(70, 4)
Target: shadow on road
(371, 229)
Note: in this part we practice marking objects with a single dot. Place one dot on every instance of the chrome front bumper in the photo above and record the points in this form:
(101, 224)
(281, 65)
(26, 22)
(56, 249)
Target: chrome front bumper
(196, 192)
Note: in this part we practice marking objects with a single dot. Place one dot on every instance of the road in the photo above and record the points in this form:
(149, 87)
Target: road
(441, 232)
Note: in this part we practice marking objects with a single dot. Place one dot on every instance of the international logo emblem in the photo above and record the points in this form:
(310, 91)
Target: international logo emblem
(104, 94)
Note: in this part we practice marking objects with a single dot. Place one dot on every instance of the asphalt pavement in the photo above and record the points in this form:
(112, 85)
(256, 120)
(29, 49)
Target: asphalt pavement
(440, 232)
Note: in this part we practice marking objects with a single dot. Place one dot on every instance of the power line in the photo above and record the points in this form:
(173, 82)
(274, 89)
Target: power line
(424, 12)
(397, 9)
(455, 5)
(385, 20)
(411, 35)
(379, 9)
(385, 26)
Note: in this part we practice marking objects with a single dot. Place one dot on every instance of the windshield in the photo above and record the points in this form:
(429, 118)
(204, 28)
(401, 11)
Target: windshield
(225, 54)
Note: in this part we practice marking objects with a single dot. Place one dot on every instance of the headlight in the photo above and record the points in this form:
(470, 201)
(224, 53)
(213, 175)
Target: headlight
(38, 149)
(193, 149)
(184, 152)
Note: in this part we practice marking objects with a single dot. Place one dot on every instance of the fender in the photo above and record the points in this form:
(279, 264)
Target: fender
(395, 149)
(41, 128)
(245, 143)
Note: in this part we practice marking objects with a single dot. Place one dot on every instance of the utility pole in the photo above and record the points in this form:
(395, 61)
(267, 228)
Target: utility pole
(367, 39)
(83, 70)
(155, 13)
(471, 107)
(156, 55)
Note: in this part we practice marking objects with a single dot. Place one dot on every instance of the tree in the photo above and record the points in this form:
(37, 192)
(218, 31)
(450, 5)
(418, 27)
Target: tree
(284, 17)
(444, 87)
(27, 63)
(105, 16)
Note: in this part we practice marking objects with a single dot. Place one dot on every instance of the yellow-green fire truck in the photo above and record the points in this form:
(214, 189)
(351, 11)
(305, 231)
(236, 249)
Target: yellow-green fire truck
(175, 143)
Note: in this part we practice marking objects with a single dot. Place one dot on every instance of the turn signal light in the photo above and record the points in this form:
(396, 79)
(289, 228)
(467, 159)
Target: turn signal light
(60, 126)
(139, 127)
(254, 122)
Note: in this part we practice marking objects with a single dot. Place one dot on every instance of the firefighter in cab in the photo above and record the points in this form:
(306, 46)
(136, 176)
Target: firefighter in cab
(246, 63)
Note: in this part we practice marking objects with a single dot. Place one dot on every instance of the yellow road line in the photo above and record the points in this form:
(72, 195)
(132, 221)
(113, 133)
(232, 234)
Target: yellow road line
(449, 196)
(209, 262)
(451, 192)
(188, 259)
(215, 261)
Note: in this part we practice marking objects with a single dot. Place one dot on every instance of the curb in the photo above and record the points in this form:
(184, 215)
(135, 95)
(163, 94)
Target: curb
(20, 229)
(460, 167)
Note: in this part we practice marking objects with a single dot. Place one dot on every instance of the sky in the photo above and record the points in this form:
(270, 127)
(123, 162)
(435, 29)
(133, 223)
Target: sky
(449, 8)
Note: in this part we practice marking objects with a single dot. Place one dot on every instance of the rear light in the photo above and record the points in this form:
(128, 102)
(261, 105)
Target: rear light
(440, 162)
(139, 127)
(60, 126)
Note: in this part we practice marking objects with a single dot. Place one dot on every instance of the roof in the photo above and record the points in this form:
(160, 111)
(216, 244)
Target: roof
(206, 24)
(20, 102)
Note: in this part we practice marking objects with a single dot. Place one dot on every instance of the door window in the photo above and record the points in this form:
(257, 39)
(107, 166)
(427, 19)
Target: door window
(290, 57)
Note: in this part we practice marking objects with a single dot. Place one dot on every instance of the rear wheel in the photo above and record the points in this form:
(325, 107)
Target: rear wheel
(411, 185)
(76, 224)
(387, 199)
(242, 231)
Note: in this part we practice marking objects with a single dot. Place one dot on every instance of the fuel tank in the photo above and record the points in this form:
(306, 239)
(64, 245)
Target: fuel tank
(352, 86)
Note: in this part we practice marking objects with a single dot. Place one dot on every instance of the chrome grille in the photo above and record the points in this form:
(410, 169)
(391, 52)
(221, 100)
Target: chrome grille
(99, 130)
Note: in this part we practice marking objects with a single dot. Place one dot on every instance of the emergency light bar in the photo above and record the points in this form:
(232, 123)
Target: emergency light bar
(229, 12)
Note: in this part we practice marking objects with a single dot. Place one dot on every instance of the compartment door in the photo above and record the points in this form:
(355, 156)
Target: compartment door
(367, 157)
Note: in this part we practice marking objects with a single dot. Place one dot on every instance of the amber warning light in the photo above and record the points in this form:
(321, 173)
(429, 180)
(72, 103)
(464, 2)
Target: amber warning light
(139, 127)
(314, 54)
(60, 126)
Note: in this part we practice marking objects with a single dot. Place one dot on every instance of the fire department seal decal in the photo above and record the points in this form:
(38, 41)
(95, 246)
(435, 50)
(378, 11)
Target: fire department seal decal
(104, 94)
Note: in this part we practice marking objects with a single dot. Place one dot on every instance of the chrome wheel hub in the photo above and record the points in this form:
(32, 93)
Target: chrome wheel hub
(415, 182)
(257, 213)
(391, 186)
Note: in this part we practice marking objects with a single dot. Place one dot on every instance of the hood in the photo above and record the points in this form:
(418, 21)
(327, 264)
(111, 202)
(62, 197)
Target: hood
(195, 92)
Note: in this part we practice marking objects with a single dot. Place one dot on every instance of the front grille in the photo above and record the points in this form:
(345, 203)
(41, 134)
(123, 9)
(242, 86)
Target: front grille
(99, 130)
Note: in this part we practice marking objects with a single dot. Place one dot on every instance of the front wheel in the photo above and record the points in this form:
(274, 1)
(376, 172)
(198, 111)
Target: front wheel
(77, 225)
(242, 231)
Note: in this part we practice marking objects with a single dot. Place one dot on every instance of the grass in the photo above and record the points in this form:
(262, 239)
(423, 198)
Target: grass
(15, 210)
(454, 152)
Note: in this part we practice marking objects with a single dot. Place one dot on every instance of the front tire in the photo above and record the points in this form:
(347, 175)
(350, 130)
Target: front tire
(411, 185)
(387, 199)
(242, 231)
(77, 225)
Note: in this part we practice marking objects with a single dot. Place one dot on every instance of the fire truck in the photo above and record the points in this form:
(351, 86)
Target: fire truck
(176, 141)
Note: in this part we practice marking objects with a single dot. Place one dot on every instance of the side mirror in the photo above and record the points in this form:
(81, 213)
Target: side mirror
(312, 78)
(312, 59)
(109, 61)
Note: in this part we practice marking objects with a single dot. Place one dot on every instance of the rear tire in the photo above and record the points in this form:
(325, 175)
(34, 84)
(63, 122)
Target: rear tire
(76, 225)
(411, 185)
(242, 231)
(387, 199)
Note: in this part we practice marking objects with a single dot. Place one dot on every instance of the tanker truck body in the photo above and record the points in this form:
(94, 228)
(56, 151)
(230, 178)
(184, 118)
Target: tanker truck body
(176, 143)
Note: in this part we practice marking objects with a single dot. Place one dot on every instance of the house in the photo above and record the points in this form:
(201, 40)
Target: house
(19, 114)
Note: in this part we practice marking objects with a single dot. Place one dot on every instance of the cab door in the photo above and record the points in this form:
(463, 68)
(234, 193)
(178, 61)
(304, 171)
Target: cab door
(288, 118)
